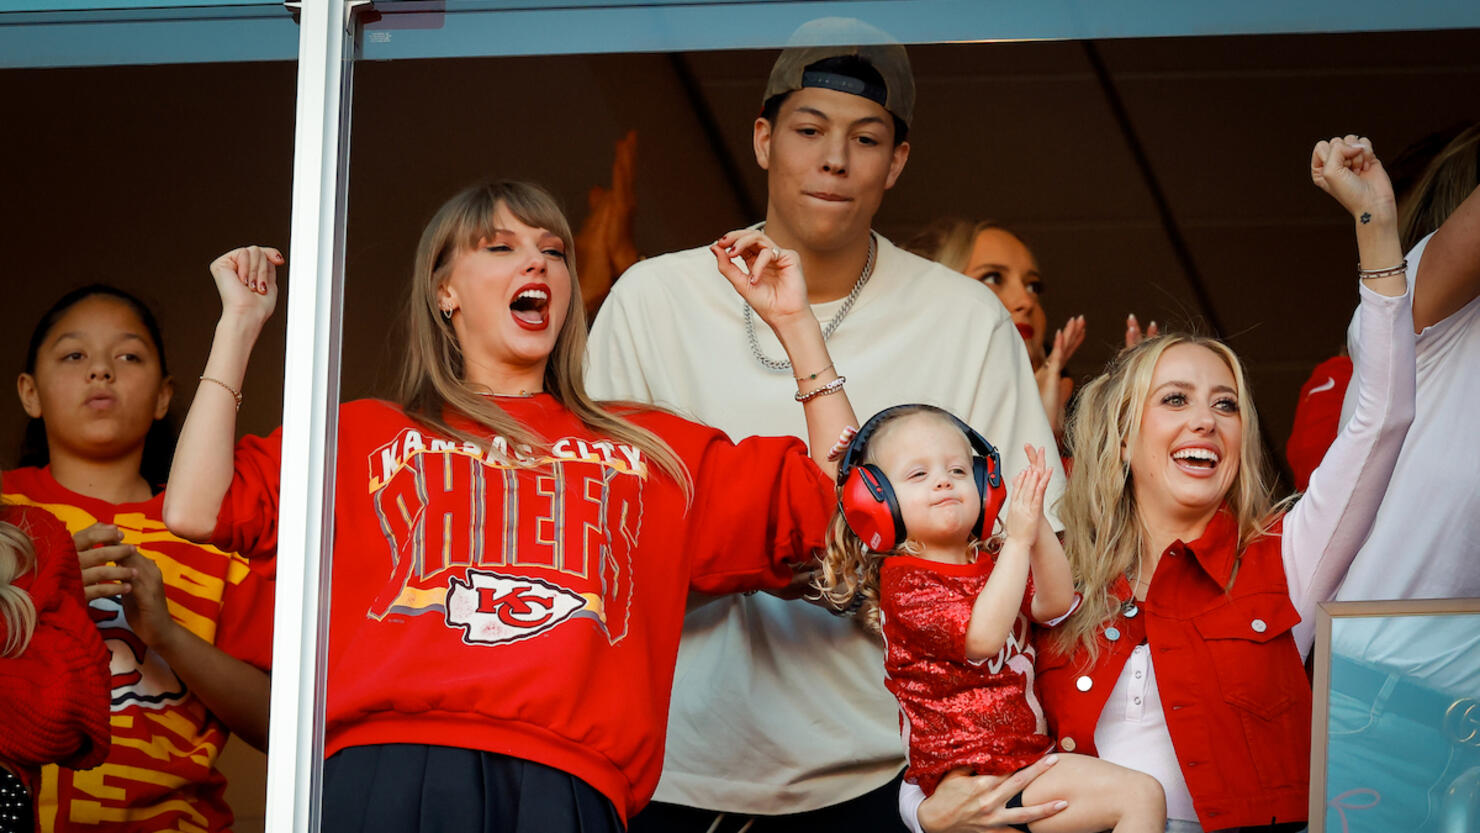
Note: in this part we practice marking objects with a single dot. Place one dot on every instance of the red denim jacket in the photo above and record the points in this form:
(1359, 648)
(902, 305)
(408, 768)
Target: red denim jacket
(1232, 685)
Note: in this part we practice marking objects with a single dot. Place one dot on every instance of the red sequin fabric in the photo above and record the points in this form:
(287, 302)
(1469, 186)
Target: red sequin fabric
(955, 712)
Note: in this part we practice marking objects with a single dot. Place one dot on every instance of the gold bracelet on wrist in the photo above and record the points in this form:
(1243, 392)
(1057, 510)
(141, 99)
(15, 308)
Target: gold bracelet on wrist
(235, 394)
(813, 376)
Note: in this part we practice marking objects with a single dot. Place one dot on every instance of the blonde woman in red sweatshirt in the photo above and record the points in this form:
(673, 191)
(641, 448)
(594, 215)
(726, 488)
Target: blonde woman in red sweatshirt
(512, 558)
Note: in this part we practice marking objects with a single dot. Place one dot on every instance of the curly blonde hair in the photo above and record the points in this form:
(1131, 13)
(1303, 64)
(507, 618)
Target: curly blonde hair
(1103, 533)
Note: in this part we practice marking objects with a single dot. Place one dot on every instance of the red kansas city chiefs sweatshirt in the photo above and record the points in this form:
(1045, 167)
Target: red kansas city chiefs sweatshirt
(525, 602)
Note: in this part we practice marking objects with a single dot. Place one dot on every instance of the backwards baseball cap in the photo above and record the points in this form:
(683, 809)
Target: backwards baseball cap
(795, 68)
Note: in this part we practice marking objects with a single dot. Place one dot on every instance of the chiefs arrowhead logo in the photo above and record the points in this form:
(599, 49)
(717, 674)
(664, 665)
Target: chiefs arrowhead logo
(494, 609)
(140, 676)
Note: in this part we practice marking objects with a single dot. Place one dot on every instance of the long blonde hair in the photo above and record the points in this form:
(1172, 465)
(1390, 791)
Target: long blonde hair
(432, 369)
(1103, 534)
(17, 556)
(949, 241)
(849, 578)
(1446, 182)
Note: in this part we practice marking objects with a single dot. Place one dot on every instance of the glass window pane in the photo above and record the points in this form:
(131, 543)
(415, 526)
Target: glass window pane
(1402, 726)
(36, 33)
(1088, 148)
(1159, 175)
(138, 146)
(507, 27)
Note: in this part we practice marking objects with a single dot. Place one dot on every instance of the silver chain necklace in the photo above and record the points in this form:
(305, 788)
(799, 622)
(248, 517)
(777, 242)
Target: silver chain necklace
(827, 331)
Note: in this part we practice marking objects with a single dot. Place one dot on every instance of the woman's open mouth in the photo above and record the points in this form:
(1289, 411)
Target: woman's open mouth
(531, 307)
(1196, 459)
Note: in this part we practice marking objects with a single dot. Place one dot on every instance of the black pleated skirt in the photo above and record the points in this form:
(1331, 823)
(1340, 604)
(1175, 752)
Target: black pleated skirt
(413, 788)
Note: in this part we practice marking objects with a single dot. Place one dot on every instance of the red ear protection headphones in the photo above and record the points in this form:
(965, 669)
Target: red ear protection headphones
(867, 500)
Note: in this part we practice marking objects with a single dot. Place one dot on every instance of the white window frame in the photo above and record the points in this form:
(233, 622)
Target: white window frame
(328, 33)
(310, 413)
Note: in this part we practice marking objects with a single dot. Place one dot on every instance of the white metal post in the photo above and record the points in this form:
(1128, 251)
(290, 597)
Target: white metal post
(310, 407)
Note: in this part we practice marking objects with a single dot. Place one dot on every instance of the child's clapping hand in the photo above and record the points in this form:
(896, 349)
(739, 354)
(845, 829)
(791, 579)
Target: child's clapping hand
(1025, 509)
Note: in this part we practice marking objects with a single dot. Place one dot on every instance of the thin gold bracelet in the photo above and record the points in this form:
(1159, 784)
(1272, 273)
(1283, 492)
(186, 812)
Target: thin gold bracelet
(235, 394)
(814, 375)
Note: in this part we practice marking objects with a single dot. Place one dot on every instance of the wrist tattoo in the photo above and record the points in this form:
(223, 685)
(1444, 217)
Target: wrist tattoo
(1366, 217)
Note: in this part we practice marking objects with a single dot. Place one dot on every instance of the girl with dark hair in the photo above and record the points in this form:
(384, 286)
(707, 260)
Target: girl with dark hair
(512, 558)
(159, 442)
(189, 626)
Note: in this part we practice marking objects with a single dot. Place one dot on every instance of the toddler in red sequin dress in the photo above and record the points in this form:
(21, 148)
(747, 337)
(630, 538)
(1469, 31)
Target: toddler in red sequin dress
(955, 617)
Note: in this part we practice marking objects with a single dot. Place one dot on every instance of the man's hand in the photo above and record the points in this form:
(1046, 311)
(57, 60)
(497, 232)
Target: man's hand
(966, 803)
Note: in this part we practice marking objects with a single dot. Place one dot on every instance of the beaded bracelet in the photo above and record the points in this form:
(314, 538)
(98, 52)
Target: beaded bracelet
(831, 387)
(1373, 274)
(844, 441)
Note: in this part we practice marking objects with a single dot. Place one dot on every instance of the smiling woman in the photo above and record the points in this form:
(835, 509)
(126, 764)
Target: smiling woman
(511, 558)
(1191, 421)
(1174, 538)
(1185, 659)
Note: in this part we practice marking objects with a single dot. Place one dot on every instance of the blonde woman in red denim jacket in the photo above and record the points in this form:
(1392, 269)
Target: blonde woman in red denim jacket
(1185, 658)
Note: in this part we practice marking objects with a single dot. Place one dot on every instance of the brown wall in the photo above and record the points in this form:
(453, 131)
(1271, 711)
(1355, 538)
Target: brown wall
(141, 175)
